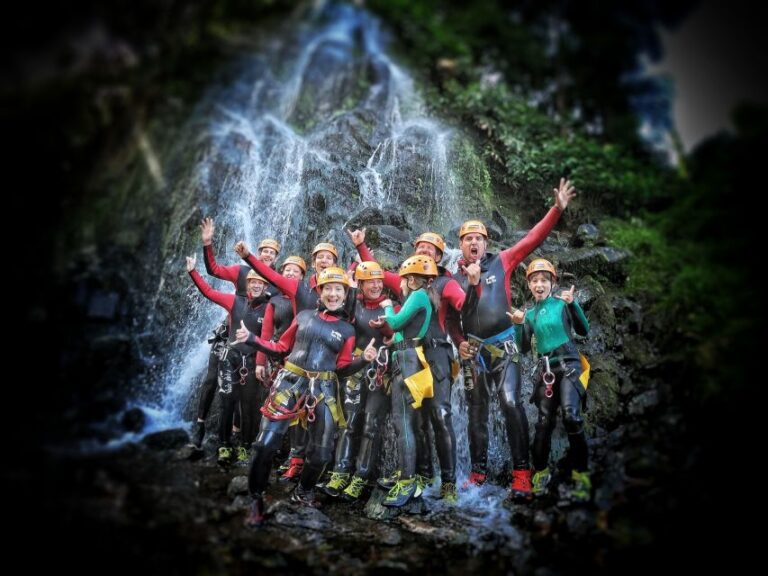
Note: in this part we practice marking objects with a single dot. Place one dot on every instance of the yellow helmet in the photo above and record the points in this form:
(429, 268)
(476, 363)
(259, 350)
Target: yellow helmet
(324, 246)
(433, 238)
(331, 275)
(253, 275)
(297, 260)
(269, 243)
(473, 226)
(540, 265)
(422, 265)
(369, 271)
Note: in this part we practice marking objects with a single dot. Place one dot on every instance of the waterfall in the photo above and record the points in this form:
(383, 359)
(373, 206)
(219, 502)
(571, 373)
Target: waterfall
(315, 129)
(317, 126)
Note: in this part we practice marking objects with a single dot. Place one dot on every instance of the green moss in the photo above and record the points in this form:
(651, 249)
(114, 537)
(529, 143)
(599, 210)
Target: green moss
(473, 172)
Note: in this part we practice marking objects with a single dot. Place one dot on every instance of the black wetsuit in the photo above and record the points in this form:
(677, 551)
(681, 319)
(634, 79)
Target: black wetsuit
(320, 343)
(484, 316)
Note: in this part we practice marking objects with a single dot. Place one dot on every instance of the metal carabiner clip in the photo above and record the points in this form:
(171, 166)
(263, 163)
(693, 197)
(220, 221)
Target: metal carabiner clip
(310, 405)
(370, 374)
(383, 353)
(549, 379)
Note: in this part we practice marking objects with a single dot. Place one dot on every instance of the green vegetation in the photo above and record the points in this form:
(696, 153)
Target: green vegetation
(544, 105)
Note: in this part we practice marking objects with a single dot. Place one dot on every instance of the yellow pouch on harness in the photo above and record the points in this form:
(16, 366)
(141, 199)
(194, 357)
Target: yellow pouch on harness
(420, 384)
(584, 378)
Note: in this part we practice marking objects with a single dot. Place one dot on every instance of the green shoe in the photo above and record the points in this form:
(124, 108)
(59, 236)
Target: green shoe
(582, 486)
(388, 482)
(423, 482)
(402, 492)
(224, 455)
(336, 484)
(541, 482)
(241, 456)
(449, 493)
(355, 489)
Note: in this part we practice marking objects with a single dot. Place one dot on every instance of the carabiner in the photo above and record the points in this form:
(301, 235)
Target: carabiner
(549, 378)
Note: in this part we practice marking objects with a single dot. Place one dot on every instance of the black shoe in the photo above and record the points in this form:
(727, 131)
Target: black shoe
(255, 517)
(198, 433)
(304, 497)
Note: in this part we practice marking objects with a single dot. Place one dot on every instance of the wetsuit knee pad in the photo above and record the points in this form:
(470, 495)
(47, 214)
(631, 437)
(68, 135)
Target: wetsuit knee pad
(573, 422)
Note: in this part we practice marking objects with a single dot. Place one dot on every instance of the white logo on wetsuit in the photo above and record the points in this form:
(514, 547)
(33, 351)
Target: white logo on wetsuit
(490, 279)
(336, 335)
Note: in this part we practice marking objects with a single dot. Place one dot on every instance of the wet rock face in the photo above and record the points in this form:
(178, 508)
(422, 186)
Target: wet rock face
(300, 152)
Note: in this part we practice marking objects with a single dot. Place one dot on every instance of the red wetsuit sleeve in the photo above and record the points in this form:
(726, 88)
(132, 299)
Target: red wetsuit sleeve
(226, 301)
(287, 286)
(281, 346)
(391, 280)
(452, 298)
(511, 257)
(267, 330)
(213, 268)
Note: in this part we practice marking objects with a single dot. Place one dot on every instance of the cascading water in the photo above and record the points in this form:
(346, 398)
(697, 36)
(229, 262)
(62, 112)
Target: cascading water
(319, 127)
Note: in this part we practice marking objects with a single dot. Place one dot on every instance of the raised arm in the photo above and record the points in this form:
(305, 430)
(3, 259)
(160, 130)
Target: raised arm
(224, 300)
(511, 257)
(212, 267)
(391, 280)
(287, 286)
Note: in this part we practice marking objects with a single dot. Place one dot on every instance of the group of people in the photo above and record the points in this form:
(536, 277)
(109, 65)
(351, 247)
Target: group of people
(329, 356)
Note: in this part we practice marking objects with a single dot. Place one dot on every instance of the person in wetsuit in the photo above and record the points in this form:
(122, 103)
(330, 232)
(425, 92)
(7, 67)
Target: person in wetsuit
(486, 280)
(439, 354)
(411, 375)
(321, 342)
(365, 393)
(236, 378)
(268, 250)
(303, 294)
(561, 378)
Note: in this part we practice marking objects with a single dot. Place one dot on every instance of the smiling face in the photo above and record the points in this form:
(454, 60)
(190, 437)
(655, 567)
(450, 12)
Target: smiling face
(540, 284)
(324, 259)
(428, 249)
(371, 288)
(473, 247)
(255, 288)
(293, 271)
(268, 256)
(332, 295)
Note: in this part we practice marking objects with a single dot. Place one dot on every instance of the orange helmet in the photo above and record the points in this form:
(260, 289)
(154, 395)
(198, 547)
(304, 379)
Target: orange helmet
(369, 271)
(433, 238)
(422, 265)
(331, 275)
(253, 275)
(325, 246)
(269, 243)
(297, 260)
(540, 265)
(473, 226)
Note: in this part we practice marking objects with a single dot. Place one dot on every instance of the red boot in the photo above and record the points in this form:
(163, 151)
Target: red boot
(294, 470)
(475, 479)
(521, 485)
(255, 517)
